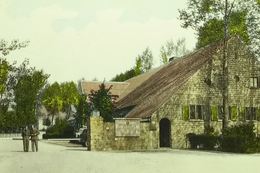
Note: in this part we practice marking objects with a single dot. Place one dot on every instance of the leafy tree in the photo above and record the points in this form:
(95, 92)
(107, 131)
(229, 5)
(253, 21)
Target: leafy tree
(7, 71)
(170, 50)
(102, 100)
(146, 60)
(207, 17)
(52, 99)
(83, 110)
(138, 66)
(70, 96)
(212, 30)
(124, 76)
(26, 92)
(143, 63)
(6, 48)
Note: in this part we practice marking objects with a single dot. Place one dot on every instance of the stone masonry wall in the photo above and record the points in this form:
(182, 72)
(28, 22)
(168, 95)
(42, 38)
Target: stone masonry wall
(103, 137)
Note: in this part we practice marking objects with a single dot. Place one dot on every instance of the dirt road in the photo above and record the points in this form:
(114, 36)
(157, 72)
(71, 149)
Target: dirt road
(58, 159)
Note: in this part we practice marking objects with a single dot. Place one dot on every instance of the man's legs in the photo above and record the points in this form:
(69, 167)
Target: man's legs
(36, 145)
(24, 143)
(33, 144)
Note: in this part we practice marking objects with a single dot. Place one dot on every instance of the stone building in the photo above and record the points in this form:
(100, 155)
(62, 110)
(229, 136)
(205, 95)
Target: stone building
(163, 105)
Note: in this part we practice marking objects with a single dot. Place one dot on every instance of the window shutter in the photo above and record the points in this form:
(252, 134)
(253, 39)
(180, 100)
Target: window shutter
(258, 82)
(185, 112)
(233, 113)
(242, 113)
(258, 114)
(214, 113)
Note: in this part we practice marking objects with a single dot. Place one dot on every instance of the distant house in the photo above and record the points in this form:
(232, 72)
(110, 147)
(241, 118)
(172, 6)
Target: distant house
(179, 98)
(118, 89)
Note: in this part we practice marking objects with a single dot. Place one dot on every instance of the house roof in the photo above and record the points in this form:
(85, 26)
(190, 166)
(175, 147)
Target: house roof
(117, 87)
(134, 82)
(149, 95)
(120, 89)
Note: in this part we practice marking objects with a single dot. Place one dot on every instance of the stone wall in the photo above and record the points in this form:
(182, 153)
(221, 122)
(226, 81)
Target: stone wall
(102, 137)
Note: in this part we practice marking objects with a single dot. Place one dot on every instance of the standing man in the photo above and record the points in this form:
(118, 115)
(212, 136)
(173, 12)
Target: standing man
(34, 138)
(26, 136)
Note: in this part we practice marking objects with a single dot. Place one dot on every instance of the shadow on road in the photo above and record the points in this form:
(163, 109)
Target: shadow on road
(18, 152)
(77, 149)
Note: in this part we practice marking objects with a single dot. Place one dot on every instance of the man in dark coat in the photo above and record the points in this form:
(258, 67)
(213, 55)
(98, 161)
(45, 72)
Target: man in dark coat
(26, 136)
(34, 138)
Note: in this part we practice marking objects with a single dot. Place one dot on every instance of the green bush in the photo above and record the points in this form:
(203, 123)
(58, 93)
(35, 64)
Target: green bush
(61, 129)
(202, 141)
(239, 139)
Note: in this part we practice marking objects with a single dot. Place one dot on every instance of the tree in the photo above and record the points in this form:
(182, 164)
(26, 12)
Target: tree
(207, 18)
(212, 30)
(124, 76)
(7, 83)
(6, 48)
(146, 59)
(83, 110)
(170, 50)
(26, 93)
(52, 99)
(70, 96)
(102, 100)
(7, 70)
(143, 63)
(138, 69)
(204, 15)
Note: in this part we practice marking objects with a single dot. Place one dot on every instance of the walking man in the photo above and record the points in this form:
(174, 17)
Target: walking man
(26, 136)
(34, 139)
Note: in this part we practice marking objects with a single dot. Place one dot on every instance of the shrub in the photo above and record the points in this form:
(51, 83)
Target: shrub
(239, 139)
(202, 141)
(60, 130)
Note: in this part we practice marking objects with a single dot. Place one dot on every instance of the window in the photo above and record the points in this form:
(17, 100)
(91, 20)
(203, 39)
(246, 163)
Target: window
(220, 112)
(253, 82)
(192, 112)
(196, 112)
(250, 113)
(199, 112)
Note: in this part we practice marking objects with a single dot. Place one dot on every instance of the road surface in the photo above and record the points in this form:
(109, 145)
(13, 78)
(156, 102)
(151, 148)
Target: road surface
(59, 159)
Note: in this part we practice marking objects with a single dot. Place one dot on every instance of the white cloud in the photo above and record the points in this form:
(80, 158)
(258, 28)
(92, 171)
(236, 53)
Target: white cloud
(102, 48)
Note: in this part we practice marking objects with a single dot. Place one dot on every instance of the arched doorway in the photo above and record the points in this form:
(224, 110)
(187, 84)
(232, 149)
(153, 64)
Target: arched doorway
(165, 133)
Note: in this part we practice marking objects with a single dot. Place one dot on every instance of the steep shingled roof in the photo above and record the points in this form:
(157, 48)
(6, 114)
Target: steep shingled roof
(134, 82)
(120, 89)
(160, 86)
(117, 87)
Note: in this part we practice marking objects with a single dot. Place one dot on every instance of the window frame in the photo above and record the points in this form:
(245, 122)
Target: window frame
(253, 82)
(251, 113)
(198, 112)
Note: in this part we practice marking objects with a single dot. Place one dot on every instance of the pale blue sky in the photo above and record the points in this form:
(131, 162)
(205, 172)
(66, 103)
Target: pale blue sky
(73, 39)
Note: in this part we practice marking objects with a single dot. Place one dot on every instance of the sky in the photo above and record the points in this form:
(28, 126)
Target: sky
(75, 39)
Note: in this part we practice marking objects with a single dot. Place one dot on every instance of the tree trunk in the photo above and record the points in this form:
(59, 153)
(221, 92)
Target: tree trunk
(225, 70)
